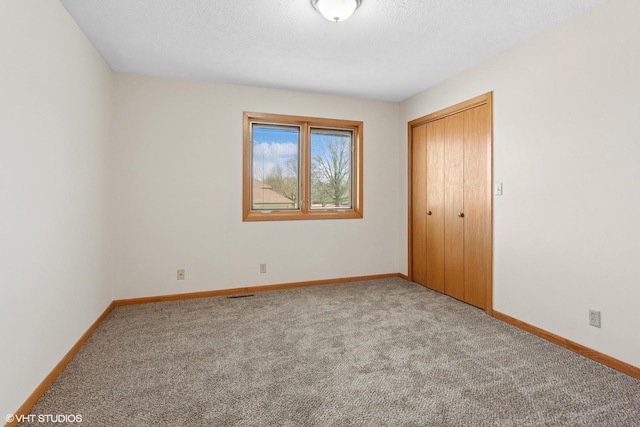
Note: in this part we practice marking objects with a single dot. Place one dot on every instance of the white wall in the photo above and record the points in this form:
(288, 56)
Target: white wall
(54, 113)
(567, 148)
(178, 192)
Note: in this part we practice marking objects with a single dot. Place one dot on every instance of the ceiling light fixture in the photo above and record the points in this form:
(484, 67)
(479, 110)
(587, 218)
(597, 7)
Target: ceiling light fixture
(336, 10)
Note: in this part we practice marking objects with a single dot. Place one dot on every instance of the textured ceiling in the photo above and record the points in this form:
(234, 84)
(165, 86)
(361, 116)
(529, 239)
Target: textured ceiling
(388, 50)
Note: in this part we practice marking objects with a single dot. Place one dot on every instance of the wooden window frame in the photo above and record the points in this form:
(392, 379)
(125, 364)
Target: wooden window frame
(304, 212)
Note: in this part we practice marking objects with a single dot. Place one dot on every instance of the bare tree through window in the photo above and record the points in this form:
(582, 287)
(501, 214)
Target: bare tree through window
(330, 169)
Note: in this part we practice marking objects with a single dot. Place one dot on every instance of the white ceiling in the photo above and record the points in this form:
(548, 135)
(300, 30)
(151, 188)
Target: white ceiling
(388, 50)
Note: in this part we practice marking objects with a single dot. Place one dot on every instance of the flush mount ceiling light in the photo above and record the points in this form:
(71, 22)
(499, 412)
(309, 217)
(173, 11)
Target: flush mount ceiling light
(336, 10)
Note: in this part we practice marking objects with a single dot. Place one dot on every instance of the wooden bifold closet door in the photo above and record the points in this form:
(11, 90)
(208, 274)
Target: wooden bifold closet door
(450, 215)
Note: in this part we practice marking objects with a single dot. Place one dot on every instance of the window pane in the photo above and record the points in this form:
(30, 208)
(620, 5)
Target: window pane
(275, 167)
(331, 168)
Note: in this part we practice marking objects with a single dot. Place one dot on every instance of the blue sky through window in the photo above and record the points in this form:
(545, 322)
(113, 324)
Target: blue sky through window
(274, 146)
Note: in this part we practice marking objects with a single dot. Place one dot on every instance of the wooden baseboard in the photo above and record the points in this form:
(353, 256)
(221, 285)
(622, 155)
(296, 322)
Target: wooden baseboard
(609, 361)
(250, 289)
(44, 385)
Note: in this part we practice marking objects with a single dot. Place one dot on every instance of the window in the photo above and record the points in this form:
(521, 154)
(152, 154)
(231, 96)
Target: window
(301, 168)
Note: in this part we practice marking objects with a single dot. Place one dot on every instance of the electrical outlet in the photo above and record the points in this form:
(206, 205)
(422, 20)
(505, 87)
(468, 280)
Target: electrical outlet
(594, 318)
(181, 274)
(263, 268)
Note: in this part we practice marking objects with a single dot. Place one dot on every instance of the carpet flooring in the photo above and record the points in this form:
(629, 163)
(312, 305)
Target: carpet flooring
(374, 353)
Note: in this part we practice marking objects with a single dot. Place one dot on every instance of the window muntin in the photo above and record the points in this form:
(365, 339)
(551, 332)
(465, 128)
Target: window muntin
(301, 168)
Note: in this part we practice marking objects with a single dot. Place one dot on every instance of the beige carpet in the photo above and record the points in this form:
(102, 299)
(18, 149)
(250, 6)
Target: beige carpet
(375, 353)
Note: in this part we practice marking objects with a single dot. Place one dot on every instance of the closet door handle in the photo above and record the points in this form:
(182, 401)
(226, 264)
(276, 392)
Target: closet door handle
(428, 212)
(461, 214)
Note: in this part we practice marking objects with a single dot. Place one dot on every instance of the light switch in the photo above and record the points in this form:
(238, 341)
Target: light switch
(499, 189)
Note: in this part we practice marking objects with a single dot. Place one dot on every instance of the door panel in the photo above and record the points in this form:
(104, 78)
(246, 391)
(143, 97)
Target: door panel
(477, 182)
(435, 204)
(419, 205)
(454, 206)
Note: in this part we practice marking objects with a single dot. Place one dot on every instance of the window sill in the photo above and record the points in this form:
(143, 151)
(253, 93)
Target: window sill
(292, 216)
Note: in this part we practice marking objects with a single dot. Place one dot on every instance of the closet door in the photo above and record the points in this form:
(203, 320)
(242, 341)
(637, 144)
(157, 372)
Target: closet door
(454, 275)
(435, 176)
(477, 205)
(419, 204)
(450, 181)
